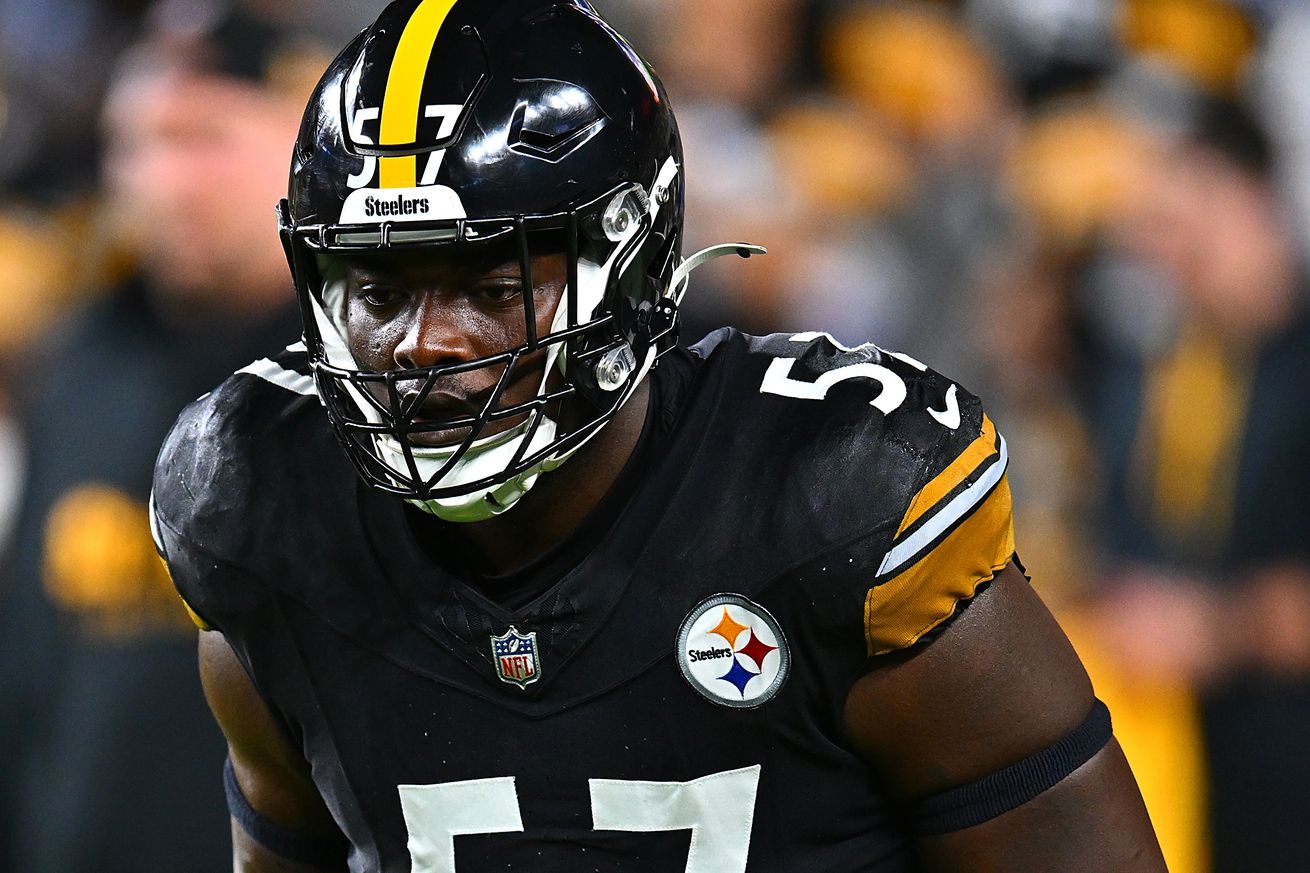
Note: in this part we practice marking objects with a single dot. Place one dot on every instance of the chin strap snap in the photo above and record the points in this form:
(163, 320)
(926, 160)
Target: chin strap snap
(678, 286)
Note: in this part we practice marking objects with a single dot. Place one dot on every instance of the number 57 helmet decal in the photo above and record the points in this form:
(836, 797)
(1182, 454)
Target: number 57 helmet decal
(454, 123)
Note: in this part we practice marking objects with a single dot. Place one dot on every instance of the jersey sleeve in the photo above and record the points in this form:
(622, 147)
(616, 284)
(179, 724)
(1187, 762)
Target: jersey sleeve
(885, 483)
(206, 512)
(220, 591)
(162, 546)
(955, 534)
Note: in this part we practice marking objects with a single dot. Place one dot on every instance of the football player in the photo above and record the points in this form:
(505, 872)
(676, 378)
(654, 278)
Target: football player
(595, 601)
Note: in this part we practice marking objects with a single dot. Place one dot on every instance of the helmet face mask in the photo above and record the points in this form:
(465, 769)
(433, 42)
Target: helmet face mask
(502, 136)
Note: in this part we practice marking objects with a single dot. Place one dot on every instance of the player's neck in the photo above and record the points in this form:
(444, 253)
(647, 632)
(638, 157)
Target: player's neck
(561, 499)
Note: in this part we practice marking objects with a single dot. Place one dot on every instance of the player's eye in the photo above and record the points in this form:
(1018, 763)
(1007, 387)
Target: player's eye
(499, 292)
(379, 297)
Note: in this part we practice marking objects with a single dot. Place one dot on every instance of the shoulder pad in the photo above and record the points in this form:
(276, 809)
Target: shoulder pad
(891, 465)
(226, 471)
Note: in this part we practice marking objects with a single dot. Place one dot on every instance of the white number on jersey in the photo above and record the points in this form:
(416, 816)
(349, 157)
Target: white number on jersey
(718, 809)
(778, 380)
(436, 814)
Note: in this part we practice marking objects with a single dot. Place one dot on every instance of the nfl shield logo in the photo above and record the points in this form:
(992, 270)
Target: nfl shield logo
(515, 655)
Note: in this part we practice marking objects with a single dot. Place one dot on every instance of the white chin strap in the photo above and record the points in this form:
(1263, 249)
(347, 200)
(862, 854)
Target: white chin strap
(486, 457)
(682, 275)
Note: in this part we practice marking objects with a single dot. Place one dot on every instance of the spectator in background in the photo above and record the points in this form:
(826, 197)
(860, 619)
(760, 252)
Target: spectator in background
(938, 88)
(92, 637)
(52, 58)
(36, 248)
(1077, 164)
(1285, 105)
(723, 90)
(1203, 434)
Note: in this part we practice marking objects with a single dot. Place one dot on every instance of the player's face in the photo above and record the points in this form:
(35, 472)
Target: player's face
(418, 310)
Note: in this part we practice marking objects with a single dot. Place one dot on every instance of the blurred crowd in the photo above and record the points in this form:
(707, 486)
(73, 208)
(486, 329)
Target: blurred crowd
(1094, 213)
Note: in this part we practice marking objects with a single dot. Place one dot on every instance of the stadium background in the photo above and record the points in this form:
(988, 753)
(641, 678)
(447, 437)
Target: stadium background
(1093, 212)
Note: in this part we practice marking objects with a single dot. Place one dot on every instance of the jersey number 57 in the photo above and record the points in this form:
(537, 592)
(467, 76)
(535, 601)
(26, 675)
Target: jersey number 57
(778, 380)
(718, 809)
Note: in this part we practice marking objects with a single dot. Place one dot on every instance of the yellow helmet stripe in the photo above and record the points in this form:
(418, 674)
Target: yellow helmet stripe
(400, 105)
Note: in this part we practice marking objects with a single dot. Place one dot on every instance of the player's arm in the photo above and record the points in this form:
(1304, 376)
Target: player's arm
(279, 822)
(988, 717)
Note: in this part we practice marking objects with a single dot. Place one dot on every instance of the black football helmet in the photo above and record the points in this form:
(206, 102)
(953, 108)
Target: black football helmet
(455, 123)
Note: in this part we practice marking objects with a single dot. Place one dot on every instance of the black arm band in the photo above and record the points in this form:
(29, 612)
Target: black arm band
(279, 840)
(1002, 791)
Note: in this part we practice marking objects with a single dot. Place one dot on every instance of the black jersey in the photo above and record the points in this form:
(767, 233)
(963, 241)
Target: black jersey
(675, 701)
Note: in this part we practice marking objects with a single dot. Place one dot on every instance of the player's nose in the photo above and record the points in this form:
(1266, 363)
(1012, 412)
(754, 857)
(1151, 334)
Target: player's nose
(436, 335)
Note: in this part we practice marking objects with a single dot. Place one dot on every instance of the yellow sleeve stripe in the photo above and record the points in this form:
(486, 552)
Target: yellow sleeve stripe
(904, 608)
(947, 480)
(945, 515)
(400, 104)
(195, 617)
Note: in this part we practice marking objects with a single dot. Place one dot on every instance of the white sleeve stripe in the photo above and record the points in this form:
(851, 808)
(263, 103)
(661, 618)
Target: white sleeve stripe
(283, 378)
(154, 524)
(905, 552)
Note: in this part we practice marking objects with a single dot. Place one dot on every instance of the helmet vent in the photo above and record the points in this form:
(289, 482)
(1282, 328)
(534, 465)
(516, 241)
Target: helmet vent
(553, 119)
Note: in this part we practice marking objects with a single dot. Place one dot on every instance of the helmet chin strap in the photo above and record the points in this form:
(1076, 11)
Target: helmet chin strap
(495, 453)
(485, 457)
(681, 276)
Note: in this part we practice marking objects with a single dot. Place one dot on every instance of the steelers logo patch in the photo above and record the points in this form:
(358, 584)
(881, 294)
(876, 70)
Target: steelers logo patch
(733, 652)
